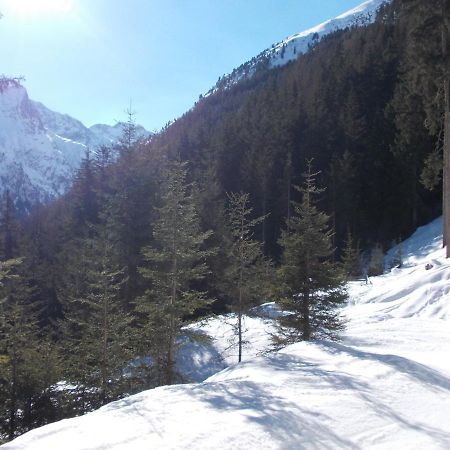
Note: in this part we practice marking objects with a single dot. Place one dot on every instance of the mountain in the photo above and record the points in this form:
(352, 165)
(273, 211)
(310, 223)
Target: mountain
(385, 385)
(40, 149)
(298, 44)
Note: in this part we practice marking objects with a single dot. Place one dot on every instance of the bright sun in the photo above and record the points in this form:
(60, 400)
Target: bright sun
(34, 7)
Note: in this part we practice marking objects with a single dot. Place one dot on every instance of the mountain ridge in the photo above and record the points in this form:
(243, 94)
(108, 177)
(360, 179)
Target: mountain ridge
(297, 44)
(40, 149)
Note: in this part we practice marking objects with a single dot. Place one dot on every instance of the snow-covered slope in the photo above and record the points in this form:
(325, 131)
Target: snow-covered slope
(40, 149)
(386, 385)
(293, 46)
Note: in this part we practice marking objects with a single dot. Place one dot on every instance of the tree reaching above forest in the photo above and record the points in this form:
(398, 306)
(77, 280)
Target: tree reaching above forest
(173, 264)
(356, 103)
(312, 286)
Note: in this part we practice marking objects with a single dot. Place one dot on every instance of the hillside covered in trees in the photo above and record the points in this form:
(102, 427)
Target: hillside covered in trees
(342, 145)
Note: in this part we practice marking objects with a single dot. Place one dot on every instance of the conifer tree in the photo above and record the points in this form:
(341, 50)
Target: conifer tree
(175, 262)
(18, 347)
(312, 286)
(429, 52)
(351, 258)
(376, 261)
(96, 323)
(8, 228)
(248, 270)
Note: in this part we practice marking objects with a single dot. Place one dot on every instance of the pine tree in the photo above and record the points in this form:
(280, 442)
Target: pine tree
(174, 264)
(8, 228)
(312, 286)
(248, 270)
(429, 53)
(129, 135)
(376, 261)
(97, 325)
(18, 348)
(351, 258)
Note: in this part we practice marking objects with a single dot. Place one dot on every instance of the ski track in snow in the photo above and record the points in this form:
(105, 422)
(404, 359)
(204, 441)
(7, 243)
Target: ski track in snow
(386, 385)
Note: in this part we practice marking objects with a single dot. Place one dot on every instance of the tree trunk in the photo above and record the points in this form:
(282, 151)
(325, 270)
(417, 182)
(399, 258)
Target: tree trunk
(13, 399)
(306, 321)
(241, 279)
(446, 174)
(446, 170)
(170, 350)
(240, 316)
(104, 347)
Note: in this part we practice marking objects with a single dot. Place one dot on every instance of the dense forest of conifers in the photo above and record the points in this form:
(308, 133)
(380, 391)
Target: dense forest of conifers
(364, 105)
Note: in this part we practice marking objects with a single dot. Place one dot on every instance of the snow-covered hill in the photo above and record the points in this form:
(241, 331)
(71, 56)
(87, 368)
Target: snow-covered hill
(293, 46)
(386, 385)
(41, 149)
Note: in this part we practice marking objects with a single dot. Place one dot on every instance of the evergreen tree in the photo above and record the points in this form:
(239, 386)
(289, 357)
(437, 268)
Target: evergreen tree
(19, 356)
(376, 261)
(96, 323)
(174, 264)
(429, 53)
(9, 228)
(248, 270)
(351, 258)
(312, 286)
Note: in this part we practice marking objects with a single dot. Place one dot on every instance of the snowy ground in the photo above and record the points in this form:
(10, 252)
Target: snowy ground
(385, 386)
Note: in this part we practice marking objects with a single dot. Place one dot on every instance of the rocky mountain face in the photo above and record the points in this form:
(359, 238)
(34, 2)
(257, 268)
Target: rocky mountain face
(40, 150)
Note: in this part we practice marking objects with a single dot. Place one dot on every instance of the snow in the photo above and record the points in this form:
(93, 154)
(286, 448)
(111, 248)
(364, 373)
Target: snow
(40, 149)
(198, 361)
(297, 44)
(386, 385)
(293, 46)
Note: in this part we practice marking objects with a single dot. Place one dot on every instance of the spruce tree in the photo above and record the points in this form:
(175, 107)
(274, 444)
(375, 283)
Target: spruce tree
(351, 258)
(174, 265)
(97, 340)
(248, 271)
(429, 55)
(312, 286)
(18, 348)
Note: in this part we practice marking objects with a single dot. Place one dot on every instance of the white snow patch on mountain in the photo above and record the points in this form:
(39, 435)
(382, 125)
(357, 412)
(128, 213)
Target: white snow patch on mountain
(40, 149)
(297, 44)
(385, 385)
(293, 46)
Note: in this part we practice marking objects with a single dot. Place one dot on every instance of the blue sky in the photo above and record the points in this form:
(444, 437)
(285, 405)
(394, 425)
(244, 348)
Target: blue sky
(90, 58)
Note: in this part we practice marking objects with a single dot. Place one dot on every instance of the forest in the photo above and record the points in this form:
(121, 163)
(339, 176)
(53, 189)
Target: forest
(281, 186)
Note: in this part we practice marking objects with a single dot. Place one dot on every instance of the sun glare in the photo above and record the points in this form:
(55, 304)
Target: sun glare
(37, 7)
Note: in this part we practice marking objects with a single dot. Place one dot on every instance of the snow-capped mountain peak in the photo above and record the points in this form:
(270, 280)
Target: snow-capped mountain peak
(297, 44)
(40, 150)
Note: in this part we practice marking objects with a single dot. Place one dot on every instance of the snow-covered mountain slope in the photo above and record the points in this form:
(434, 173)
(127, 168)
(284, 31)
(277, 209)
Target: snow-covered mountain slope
(41, 149)
(293, 46)
(386, 385)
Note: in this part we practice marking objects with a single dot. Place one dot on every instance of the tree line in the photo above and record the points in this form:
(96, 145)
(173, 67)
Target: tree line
(220, 211)
(79, 328)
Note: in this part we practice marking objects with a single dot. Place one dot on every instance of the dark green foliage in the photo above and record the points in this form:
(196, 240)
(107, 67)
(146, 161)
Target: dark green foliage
(351, 258)
(28, 364)
(312, 286)
(249, 273)
(173, 265)
(365, 103)
(96, 325)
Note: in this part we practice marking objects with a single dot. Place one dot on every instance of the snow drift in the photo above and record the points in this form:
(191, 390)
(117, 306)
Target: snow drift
(385, 385)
